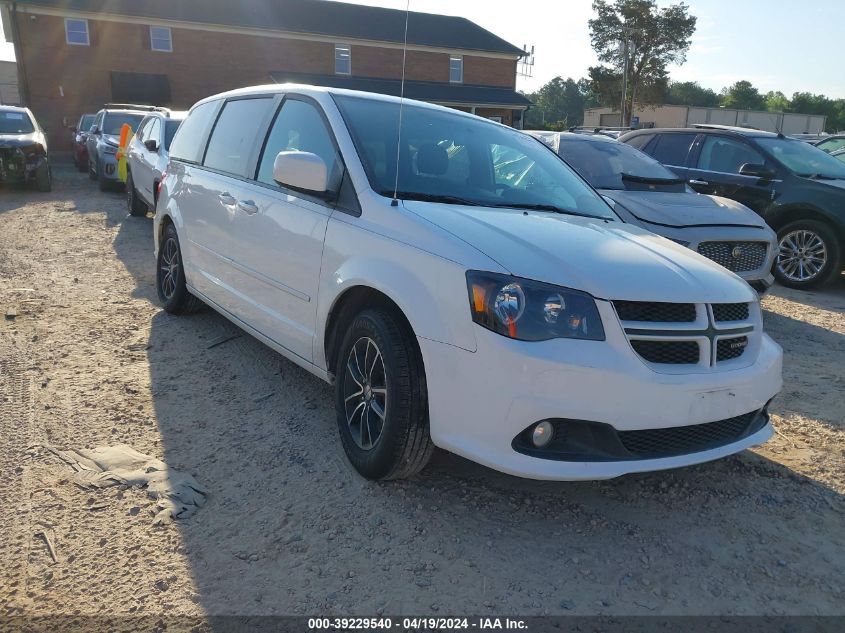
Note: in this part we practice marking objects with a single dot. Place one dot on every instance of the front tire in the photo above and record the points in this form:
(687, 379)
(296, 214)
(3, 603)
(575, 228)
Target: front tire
(809, 255)
(133, 202)
(44, 179)
(92, 170)
(170, 276)
(381, 397)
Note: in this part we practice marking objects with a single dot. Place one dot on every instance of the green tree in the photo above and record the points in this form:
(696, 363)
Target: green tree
(690, 93)
(743, 96)
(559, 104)
(656, 37)
(776, 101)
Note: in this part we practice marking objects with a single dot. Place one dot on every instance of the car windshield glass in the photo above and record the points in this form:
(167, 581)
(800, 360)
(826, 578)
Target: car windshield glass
(170, 127)
(15, 123)
(87, 122)
(803, 159)
(453, 158)
(603, 163)
(114, 121)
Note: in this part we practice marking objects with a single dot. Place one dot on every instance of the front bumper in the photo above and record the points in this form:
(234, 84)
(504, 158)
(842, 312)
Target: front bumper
(108, 165)
(480, 401)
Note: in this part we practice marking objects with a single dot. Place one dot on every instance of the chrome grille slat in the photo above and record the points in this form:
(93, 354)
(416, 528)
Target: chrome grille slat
(738, 257)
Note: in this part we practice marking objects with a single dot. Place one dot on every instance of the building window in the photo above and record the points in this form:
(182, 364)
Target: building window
(456, 69)
(160, 39)
(342, 59)
(76, 32)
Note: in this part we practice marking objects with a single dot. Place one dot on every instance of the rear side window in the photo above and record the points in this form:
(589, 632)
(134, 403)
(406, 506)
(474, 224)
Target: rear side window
(672, 149)
(189, 143)
(299, 126)
(235, 134)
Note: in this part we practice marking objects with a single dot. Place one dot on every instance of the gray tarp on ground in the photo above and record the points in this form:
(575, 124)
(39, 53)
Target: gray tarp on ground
(178, 493)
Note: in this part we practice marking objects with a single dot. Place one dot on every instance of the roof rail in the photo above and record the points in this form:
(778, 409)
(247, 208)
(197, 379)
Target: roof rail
(714, 126)
(135, 106)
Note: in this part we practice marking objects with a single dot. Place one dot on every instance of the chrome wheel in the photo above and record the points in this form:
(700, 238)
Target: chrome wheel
(365, 393)
(169, 265)
(802, 255)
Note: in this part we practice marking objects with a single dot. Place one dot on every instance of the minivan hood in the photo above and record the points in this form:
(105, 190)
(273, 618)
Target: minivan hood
(680, 209)
(608, 259)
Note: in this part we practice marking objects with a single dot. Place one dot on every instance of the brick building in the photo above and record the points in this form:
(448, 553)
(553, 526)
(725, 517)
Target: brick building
(75, 55)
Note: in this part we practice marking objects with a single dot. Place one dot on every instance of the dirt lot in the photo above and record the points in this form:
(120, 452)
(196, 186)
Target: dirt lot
(289, 528)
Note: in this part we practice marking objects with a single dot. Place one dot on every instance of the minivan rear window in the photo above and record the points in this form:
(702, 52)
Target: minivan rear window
(189, 142)
(235, 135)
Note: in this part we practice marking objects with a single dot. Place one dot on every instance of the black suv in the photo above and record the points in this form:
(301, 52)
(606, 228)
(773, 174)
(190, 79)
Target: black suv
(797, 188)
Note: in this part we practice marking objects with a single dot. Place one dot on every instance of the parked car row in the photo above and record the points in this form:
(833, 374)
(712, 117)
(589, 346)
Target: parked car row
(463, 287)
(798, 189)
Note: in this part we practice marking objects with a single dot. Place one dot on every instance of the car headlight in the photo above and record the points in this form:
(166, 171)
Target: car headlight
(531, 310)
(110, 149)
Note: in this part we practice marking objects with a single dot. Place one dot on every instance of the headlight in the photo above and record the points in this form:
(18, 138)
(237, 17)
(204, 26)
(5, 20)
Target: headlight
(110, 149)
(531, 310)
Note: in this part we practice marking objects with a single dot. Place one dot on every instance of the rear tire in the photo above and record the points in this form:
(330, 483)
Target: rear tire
(382, 408)
(136, 206)
(809, 255)
(79, 164)
(170, 276)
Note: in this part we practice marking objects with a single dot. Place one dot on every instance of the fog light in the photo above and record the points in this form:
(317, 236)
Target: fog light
(542, 434)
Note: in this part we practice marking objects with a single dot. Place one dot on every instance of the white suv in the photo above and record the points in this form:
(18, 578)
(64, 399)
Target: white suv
(147, 157)
(461, 287)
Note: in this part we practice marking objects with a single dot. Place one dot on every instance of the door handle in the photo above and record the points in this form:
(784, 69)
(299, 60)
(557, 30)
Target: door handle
(703, 183)
(227, 199)
(248, 207)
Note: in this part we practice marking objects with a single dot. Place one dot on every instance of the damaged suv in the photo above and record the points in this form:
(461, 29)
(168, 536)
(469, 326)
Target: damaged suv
(23, 149)
(460, 285)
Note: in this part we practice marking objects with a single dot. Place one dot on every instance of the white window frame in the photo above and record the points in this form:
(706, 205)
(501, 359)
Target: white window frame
(87, 41)
(337, 48)
(460, 59)
(153, 40)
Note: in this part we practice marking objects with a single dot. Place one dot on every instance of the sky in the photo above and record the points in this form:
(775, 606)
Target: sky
(775, 44)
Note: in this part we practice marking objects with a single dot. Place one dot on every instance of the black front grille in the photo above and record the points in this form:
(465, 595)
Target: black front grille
(735, 256)
(655, 312)
(730, 311)
(667, 352)
(729, 348)
(689, 439)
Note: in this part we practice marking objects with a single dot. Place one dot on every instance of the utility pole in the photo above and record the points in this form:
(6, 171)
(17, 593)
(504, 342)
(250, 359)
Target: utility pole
(624, 77)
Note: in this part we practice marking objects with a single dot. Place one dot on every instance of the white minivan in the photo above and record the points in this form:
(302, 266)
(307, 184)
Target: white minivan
(460, 285)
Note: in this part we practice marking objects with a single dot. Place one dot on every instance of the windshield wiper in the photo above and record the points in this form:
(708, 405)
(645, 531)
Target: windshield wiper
(430, 197)
(650, 180)
(546, 207)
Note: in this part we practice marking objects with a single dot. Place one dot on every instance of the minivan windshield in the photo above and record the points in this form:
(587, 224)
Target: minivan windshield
(457, 159)
(803, 159)
(14, 122)
(609, 164)
(113, 121)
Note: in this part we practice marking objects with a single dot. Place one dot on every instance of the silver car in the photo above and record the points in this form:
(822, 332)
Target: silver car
(147, 158)
(645, 193)
(104, 138)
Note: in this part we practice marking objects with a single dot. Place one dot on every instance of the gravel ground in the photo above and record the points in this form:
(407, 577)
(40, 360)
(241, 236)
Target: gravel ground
(289, 528)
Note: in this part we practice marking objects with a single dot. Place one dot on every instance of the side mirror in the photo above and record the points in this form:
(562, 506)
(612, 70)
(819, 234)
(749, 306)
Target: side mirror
(302, 171)
(756, 170)
(151, 144)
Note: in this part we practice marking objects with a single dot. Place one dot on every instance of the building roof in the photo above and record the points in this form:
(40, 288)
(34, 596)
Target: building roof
(315, 17)
(434, 92)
